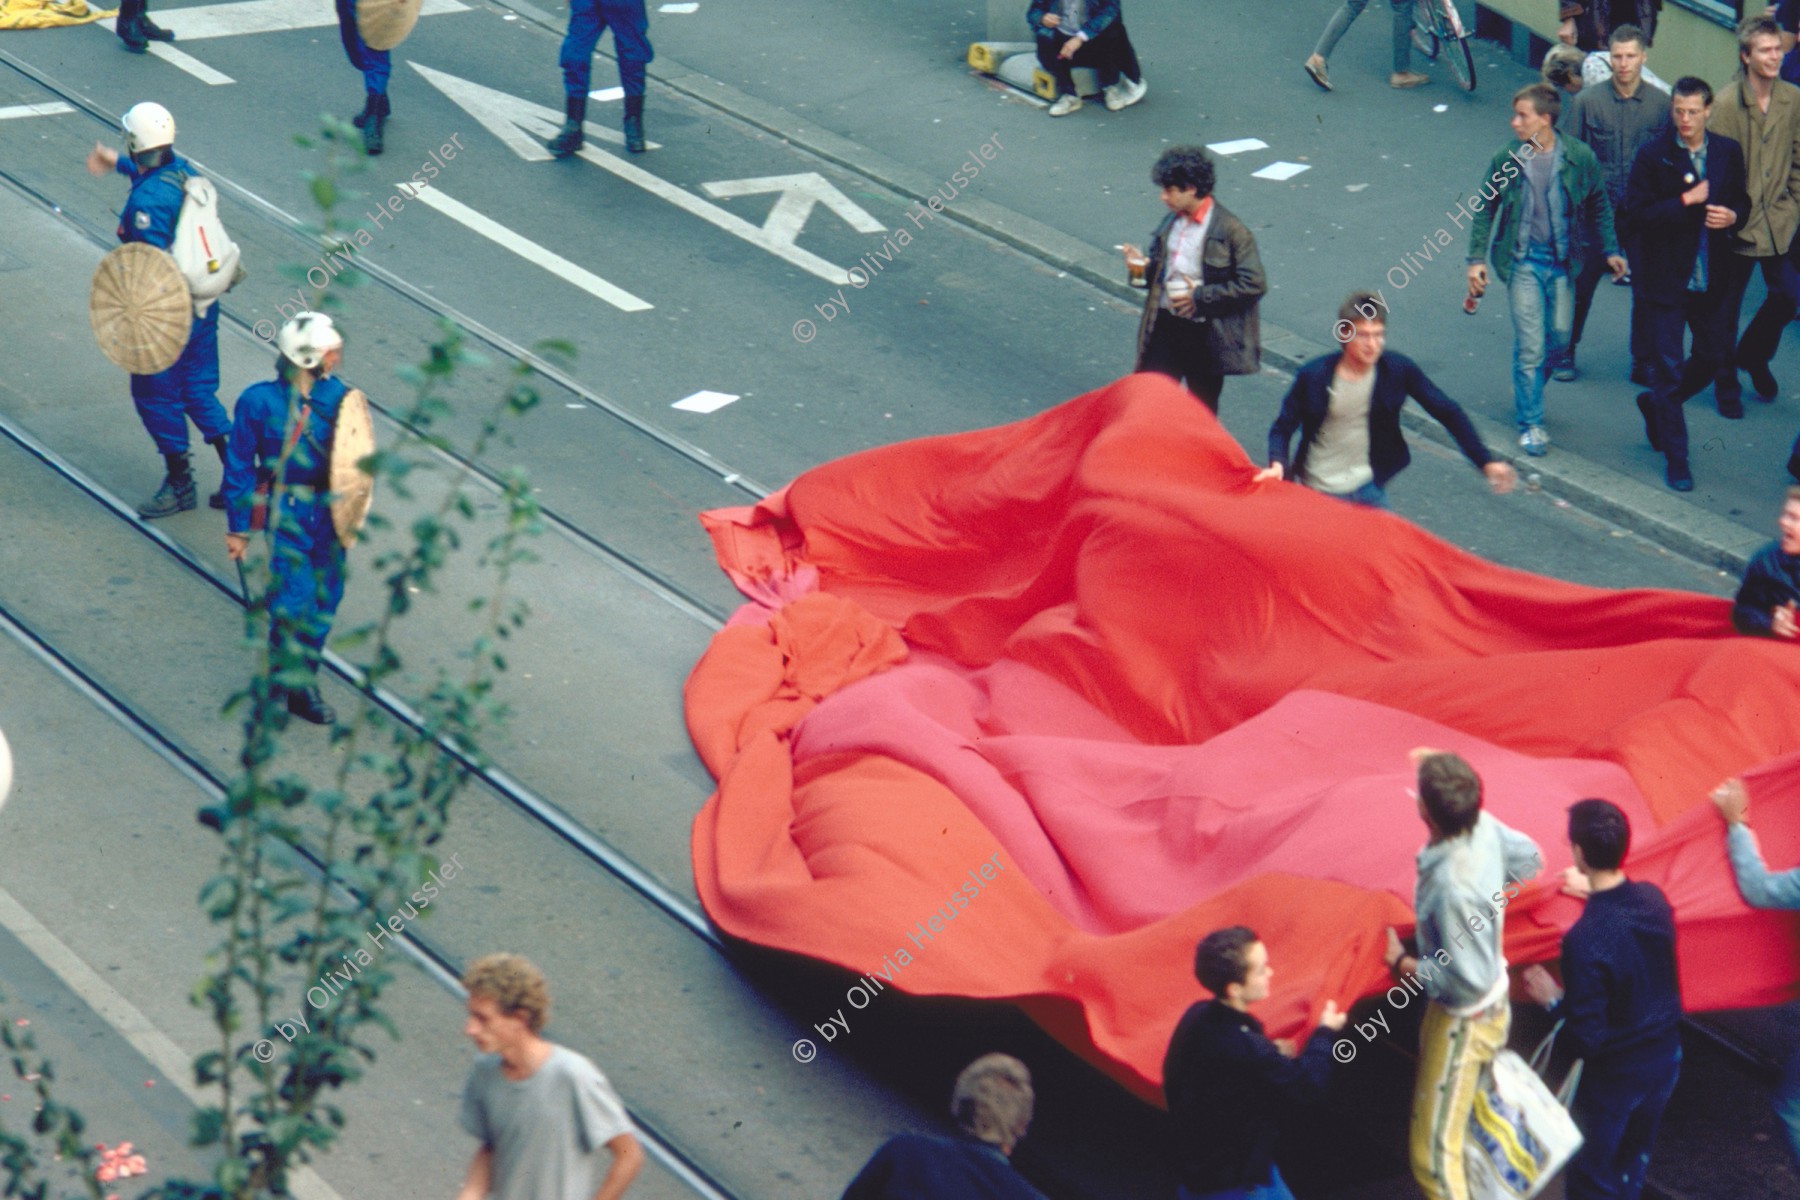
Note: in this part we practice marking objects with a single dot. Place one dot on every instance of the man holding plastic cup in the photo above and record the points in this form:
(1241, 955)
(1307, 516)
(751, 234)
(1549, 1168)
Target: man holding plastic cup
(1205, 279)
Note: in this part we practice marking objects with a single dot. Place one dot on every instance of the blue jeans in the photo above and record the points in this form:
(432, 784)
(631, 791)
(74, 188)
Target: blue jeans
(1543, 312)
(375, 65)
(588, 19)
(1369, 495)
(189, 389)
(1618, 1107)
(1275, 1189)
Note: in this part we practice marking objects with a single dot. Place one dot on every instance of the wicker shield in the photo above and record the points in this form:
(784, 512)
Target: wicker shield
(140, 308)
(352, 488)
(384, 24)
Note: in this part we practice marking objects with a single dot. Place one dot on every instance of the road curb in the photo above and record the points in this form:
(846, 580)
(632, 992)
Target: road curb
(1649, 511)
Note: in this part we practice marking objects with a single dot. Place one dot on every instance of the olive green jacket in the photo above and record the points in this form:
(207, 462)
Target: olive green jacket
(1499, 200)
(1771, 143)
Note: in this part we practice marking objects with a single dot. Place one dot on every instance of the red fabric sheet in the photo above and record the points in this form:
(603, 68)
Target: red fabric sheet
(1169, 700)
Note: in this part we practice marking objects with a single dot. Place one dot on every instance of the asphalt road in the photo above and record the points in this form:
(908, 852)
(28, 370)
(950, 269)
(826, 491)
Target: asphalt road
(675, 273)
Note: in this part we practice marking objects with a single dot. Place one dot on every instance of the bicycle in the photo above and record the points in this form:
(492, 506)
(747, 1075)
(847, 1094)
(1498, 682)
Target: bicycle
(1437, 26)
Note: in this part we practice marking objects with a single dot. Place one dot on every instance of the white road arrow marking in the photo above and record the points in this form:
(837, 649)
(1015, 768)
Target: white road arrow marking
(799, 193)
(49, 109)
(530, 251)
(522, 125)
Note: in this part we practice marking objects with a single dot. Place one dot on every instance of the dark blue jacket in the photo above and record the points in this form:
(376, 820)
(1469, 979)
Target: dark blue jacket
(1623, 991)
(1772, 579)
(155, 201)
(1229, 1089)
(1396, 377)
(259, 428)
(1669, 231)
(914, 1167)
(1100, 14)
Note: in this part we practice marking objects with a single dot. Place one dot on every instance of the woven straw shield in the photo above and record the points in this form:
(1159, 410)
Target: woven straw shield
(140, 308)
(384, 24)
(352, 488)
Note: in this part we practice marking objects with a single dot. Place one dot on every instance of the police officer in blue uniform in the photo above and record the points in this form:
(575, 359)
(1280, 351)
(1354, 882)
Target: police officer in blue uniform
(190, 388)
(294, 414)
(588, 19)
(376, 66)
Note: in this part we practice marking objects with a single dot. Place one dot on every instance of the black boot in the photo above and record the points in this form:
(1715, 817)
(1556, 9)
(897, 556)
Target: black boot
(309, 706)
(378, 114)
(568, 140)
(362, 118)
(149, 29)
(634, 124)
(217, 499)
(177, 491)
(126, 25)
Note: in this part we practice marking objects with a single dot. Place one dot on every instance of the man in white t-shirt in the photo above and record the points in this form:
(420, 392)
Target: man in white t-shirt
(1346, 408)
(541, 1111)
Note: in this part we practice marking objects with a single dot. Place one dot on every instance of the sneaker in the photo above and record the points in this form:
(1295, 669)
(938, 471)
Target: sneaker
(1534, 441)
(1565, 372)
(174, 496)
(1124, 94)
(1678, 478)
(1407, 79)
(1315, 67)
(1065, 105)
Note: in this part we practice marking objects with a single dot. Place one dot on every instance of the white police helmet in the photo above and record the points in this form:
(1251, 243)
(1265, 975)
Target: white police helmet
(147, 126)
(305, 340)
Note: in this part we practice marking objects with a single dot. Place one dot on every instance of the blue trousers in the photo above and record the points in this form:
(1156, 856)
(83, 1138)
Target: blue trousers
(588, 19)
(308, 567)
(1543, 311)
(375, 65)
(190, 388)
(1618, 1107)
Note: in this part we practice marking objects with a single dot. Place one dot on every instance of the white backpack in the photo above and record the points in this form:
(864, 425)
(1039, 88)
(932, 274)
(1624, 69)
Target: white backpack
(204, 252)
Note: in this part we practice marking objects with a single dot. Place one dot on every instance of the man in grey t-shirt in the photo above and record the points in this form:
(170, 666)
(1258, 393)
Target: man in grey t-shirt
(541, 1111)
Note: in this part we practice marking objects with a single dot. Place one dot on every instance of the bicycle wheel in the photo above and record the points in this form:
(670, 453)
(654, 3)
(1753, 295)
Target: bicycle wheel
(1425, 31)
(1462, 62)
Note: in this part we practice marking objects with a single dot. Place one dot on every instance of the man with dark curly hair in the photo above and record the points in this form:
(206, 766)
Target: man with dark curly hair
(1205, 279)
(541, 1111)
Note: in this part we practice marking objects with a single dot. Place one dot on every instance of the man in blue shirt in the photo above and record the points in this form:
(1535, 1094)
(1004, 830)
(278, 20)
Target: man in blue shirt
(992, 1105)
(1622, 1008)
(189, 389)
(1761, 889)
(291, 420)
(1768, 597)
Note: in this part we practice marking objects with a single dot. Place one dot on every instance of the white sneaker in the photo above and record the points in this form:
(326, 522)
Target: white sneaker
(1065, 105)
(1535, 441)
(1124, 94)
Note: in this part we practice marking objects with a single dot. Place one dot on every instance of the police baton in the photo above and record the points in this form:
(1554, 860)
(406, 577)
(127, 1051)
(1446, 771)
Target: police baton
(243, 584)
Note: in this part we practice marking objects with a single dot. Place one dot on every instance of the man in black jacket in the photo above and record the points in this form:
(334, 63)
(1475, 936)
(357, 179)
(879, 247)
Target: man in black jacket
(1687, 199)
(1347, 409)
(1622, 1007)
(1228, 1086)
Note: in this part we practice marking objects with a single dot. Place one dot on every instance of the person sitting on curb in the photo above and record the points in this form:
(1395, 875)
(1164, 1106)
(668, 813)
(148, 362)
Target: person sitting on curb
(1086, 33)
(1347, 409)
